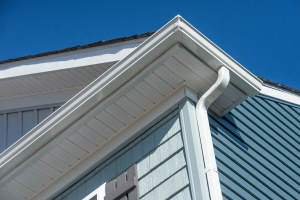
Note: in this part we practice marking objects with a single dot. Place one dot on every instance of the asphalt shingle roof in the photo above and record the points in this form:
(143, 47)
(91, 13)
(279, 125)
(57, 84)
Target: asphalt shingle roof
(279, 85)
(95, 44)
(116, 40)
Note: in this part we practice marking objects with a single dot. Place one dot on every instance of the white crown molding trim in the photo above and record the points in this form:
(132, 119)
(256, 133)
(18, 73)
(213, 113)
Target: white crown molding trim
(278, 93)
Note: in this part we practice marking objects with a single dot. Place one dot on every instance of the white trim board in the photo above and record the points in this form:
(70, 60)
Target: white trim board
(215, 57)
(79, 58)
(156, 46)
(118, 80)
(99, 192)
(278, 93)
(113, 144)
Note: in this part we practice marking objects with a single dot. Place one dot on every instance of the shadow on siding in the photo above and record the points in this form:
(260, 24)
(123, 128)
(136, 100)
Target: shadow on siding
(226, 125)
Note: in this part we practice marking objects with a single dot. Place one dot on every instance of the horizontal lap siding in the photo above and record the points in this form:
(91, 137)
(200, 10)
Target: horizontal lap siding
(160, 158)
(257, 148)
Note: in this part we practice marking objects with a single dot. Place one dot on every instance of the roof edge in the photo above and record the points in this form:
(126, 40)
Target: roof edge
(86, 99)
(165, 39)
(78, 47)
(279, 85)
(215, 57)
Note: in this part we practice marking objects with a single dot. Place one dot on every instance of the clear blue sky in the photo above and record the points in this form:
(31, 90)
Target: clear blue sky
(264, 36)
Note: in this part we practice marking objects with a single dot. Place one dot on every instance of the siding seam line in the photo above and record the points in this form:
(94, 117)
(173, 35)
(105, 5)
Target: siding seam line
(284, 116)
(259, 135)
(274, 174)
(157, 166)
(263, 146)
(283, 124)
(173, 111)
(283, 171)
(183, 188)
(246, 180)
(249, 192)
(280, 119)
(254, 176)
(229, 188)
(255, 107)
(163, 181)
(280, 105)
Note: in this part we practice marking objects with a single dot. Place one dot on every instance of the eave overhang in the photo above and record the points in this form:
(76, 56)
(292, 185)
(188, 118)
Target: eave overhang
(175, 56)
(23, 82)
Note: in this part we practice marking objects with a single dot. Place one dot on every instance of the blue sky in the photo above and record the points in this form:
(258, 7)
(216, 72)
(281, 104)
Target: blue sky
(264, 36)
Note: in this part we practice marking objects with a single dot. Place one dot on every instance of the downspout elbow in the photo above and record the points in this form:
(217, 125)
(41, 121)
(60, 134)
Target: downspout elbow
(205, 136)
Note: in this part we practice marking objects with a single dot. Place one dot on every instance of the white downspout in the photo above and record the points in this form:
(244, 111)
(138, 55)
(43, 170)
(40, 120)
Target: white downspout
(205, 136)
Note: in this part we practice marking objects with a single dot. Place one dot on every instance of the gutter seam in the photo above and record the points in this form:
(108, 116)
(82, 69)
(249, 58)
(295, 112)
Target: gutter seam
(205, 136)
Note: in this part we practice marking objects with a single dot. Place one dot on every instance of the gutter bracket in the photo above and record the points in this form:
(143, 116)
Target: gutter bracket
(205, 135)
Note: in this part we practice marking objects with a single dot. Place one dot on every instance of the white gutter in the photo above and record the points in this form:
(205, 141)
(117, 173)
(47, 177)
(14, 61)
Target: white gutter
(205, 136)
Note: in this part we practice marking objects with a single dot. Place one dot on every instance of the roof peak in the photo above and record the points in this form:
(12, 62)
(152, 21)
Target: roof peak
(122, 39)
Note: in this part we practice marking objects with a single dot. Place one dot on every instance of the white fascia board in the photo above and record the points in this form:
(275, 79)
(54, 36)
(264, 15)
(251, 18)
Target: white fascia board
(215, 57)
(90, 96)
(280, 94)
(9, 171)
(61, 96)
(158, 45)
(114, 143)
(99, 192)
(74, 59)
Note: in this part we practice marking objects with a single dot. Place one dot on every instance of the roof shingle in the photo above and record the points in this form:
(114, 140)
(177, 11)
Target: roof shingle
(116, 40)
(279, 85)
(95, 44)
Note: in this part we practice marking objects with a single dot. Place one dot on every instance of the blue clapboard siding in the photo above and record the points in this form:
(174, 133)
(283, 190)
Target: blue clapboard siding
(160, 157)
(16, 123)
(257, 148)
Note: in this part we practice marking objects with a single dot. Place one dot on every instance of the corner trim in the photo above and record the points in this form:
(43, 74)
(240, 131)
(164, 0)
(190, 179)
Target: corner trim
(194, 154)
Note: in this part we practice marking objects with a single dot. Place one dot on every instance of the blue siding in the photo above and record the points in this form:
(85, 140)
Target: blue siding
(160, 157)
(257, 148)
(16, 123)
(13, 132)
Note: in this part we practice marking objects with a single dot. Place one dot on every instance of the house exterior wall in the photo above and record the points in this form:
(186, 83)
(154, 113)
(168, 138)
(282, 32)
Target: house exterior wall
(256, 145)
(161, 159)
(257, 150)
(16, 123)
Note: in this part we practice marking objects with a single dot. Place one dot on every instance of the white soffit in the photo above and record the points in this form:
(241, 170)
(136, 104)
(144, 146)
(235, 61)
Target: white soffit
(60, 72)
(51, 81)
(168, 74)
(79, 58)
(106, 107)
